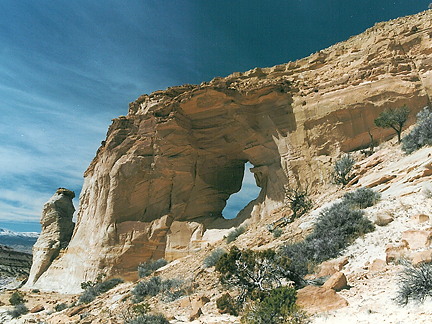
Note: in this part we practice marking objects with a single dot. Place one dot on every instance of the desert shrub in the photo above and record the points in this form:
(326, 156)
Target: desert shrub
(35, 291)
(147, 268)
(172, 289)
(19, 309)
(362, 198)
(104, 286)
(60, 307)
(393, 118)
(277, 232)
(276, 308)
(427, 191)
(335, 228)
(415, 283)
(87, 296)
(227, 304)
(16, 298)
(298, 201)
(213, 258)
(342, 169)
(232, 236)
(253, 273)
(143, 289)
(95, 289)
(149, 319)
(421, 135)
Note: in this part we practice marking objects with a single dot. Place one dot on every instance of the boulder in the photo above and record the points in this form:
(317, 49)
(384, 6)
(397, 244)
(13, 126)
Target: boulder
(377, 265)
(396, 252)
(199, 302)
(383, 219)
(36, 309)
(185, 302)
(422, 257)
(196, 312)
(330, 267)
(417, 239)
(337, 281)
(420, 218)
(319, 299)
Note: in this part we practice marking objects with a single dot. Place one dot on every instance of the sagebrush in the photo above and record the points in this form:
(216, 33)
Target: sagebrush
(18, 310)
(94, 290)
(147, 268)
(421, 135)
(335, 228)
(362, 198)
(148, 319)
(171, 289)
(16, 298)
(278, 307)
(232, 236)
(213, 258)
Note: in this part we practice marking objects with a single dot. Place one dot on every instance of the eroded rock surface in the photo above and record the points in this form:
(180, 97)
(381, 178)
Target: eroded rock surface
(57, 228)
(161, 178)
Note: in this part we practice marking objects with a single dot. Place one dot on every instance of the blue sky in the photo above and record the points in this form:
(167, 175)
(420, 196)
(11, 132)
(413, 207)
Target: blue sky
(68, 67)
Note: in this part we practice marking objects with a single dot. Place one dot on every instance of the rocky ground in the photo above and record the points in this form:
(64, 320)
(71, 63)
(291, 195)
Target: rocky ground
(370, 264)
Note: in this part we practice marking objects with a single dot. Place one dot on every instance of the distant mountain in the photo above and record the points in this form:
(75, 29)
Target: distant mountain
(19, 241)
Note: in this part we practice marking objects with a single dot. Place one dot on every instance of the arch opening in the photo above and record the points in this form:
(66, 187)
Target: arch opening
(249, 191)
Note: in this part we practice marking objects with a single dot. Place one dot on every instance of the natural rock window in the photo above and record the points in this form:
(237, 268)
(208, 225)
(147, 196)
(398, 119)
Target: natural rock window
(248, 192)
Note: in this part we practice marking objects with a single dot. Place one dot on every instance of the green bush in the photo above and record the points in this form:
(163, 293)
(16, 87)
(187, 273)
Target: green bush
(16, 298)
(171, 289)
(87, 296)
(298, 201)
(146, 288)
(227, 304)
(335, 228)
(19, 309)
(149, 319)
(276, 308)
(95, 289)
(232, 236)
(60, 307)
(393, 118)
(421, 135)
(415, 283)
(104, 286)
(252, 272)
(277, 232)
(342, 169)
(362, 198)
(213, 258)
(147, 268)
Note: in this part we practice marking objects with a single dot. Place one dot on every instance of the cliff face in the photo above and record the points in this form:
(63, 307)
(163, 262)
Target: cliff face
(160, 180)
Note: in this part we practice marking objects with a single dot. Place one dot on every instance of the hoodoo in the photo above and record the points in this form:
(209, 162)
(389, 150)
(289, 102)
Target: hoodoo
(160, 180)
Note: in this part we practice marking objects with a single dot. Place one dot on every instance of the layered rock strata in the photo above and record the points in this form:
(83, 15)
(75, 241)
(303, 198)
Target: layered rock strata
(160, 180)
(57, 228)
(14, 263)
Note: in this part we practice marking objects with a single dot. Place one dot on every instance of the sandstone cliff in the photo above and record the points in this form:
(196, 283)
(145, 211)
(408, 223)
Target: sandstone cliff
(160, 180)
